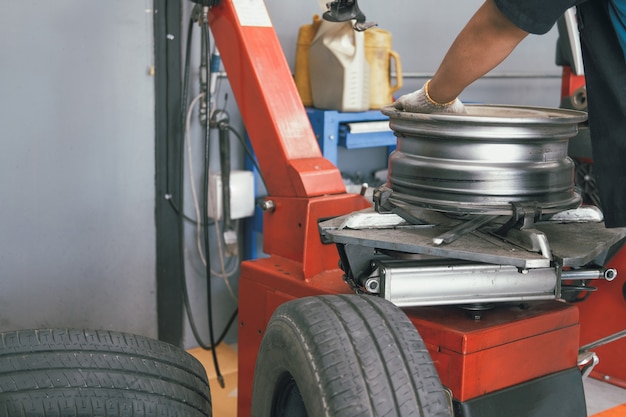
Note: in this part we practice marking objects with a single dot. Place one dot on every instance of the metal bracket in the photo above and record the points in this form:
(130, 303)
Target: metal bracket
(587, 361)
(524, 216)
(356, 262)
(345, 10)
(520, 230)
(532, 240)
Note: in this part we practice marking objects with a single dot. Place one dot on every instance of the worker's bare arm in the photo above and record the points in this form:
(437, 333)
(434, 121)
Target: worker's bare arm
(487, 39)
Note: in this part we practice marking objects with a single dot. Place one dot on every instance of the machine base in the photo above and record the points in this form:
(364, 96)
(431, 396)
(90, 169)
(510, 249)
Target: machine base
(478, 352)
(603, 313)
(507, 347)
(556, 395)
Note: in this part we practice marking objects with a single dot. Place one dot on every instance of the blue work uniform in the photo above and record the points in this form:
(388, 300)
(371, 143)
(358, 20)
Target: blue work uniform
(617, 12)
(603, 40)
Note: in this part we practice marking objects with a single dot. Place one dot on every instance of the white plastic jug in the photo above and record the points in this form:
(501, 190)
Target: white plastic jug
(338, 68)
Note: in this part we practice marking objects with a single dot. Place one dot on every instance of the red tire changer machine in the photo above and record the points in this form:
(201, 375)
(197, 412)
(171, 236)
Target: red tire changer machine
(477, 236)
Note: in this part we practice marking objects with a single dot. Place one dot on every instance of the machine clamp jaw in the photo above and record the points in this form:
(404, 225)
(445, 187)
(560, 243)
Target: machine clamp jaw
(344, 10)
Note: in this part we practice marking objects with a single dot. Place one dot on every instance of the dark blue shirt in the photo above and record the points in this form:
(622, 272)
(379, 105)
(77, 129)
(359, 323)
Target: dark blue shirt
(617, 11)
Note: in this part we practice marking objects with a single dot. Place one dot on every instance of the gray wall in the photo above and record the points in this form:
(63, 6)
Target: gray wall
(77, 235)
(77, 232)
(422, 32)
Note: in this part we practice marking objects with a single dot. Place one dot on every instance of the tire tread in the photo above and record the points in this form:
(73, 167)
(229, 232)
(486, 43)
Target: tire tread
(77, 372)
(365, 354)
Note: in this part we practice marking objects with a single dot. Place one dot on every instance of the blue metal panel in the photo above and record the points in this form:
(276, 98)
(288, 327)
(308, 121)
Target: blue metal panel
(330, 127)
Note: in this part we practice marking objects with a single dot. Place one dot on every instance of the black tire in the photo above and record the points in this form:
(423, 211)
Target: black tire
(344, 356)
(64, 372)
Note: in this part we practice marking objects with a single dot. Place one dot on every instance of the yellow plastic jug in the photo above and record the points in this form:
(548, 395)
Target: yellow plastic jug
(382, 59)
(305, 37)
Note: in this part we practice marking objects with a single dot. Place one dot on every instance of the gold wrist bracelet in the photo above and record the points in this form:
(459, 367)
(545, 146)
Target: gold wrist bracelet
(430, 99)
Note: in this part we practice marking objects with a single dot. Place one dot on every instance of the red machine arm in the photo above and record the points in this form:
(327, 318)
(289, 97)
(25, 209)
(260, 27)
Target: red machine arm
(268, 100)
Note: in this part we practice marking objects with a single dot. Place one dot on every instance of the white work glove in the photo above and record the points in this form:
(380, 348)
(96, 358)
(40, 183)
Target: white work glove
(420, 102)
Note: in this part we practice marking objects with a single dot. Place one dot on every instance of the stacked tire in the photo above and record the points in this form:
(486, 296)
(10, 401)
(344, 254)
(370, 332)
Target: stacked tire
(66, 372)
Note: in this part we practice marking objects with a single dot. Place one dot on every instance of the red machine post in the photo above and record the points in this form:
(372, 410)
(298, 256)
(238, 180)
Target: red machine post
(304, 186)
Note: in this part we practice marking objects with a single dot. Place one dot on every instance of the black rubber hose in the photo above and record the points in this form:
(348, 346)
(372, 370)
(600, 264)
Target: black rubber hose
(225, 171)
(206, 37)
(185, 290)
(249, 153)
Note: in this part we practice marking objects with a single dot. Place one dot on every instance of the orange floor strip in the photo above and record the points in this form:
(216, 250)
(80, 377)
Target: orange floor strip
(619, 411)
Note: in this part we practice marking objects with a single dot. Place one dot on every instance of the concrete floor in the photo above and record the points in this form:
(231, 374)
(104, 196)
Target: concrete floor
(601, 397)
